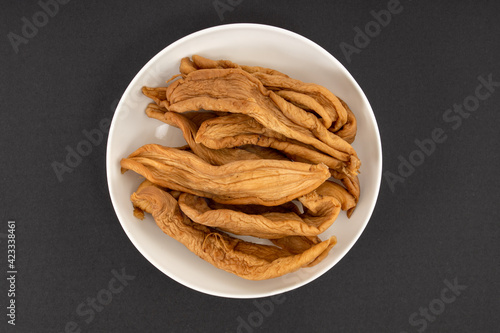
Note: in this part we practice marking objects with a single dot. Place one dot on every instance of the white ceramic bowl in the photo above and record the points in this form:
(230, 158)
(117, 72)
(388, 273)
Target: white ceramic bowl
(249, 44)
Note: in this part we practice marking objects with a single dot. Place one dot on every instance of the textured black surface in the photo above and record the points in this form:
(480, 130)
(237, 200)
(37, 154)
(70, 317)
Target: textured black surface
(440, 224)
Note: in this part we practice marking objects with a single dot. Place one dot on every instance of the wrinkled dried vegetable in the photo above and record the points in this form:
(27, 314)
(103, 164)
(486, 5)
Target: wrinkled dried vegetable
(234, 131)
(299, 244)
(328, 106)
(261, 182)
(268, 225)
(248, 260)
(257, 139)
(189, 130)
(236, 91)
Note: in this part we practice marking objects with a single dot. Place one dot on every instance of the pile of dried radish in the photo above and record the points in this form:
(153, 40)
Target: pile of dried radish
(262, 149)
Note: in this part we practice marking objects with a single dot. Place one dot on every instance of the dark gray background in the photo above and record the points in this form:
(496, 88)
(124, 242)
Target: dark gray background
(440, 224)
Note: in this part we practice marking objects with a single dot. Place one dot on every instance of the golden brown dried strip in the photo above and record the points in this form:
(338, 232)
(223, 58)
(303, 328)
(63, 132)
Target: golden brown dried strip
(298, 244)
(229, 132)
(200, 62)
(187, 66)
(351, 183)
(234, 124)
(348, 131)
(247, 260)
(237, 91)
(140, 198)
(311, 122)
(306, 102)
(268, 225)
(346, 199)
(145, 206)
(218, 131)
(262, 182)
(333, 242)
(265, 152)
(188, 128)
(155, 111)
(197, 117)
(187, 122)
(142, 206)
(212, 156)
(309, 96)
(313, 99)
(157, 94)
(206, 63)
(315, 90)
(293, 151)
(264, 70)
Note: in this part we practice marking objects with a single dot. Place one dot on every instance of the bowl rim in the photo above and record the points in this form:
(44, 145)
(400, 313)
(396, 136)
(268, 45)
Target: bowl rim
(250, 26)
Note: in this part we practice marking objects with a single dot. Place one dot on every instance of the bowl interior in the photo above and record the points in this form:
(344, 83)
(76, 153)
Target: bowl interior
(249, 44)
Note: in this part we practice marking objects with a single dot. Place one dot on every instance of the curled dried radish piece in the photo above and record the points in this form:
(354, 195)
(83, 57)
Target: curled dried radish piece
(307, 102)
(260, 182)
(299, 244)
(200, 62)
(268, 225)
(247, 260)
(348, 131)
(346, 199)
(351, 183)
(306, 95)
(257, 139)
(189, 130)
(237, 130)
(234, 90)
